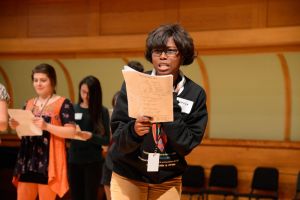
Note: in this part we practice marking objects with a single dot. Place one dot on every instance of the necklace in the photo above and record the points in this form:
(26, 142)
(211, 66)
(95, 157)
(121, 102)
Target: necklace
(42, 105)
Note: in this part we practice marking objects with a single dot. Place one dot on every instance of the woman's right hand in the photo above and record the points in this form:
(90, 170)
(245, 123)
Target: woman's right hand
(142, 125)
(13, 123)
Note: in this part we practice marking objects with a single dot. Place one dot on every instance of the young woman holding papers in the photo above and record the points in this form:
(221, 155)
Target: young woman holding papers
(149, 158)
(41, 167)
(85, 157)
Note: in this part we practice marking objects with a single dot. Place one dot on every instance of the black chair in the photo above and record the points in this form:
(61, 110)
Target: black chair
(193, 181)
(264, 184)
(223, 180)
(297, 194)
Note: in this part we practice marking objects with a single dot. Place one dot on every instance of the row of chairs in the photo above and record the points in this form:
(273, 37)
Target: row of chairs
(223, 180)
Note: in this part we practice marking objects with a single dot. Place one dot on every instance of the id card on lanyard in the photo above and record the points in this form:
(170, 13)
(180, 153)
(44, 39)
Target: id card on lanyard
(153, 158)
(153, 162)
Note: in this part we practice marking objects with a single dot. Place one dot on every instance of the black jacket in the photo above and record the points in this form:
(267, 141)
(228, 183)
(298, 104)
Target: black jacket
(129, 151)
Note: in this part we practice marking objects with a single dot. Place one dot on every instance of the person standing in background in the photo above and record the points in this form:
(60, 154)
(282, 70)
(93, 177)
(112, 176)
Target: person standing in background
(41, 166)
(107, 167)
(139, 143)
(136, 65)
(4, 99)
(85, 157)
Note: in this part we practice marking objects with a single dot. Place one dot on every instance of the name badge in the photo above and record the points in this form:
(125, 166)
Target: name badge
(153, 162)
(78, 116)
(186, 105)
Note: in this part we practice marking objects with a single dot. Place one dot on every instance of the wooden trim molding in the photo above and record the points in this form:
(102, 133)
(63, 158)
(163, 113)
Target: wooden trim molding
(8, 87)
(10, 138)
(251, 143)
(68, 79)
(206, 42)
(204, 75)
(288, 97)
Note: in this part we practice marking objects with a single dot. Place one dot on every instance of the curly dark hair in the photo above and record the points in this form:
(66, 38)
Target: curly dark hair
(158, 38)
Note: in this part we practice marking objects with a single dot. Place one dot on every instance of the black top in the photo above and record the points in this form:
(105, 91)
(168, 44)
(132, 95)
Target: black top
(33, 157)
(129, 151)
(81, 152)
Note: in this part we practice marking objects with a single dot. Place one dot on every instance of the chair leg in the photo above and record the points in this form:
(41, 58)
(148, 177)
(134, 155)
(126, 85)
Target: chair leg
(202, 197)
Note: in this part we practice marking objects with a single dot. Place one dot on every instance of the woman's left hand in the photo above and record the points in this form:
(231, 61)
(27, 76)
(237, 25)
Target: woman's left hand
(84, 135)
(40, 123)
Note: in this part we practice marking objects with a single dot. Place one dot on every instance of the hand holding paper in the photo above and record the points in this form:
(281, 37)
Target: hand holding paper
(39, 122)
(142, 125)
(13, 123)
(26, 126)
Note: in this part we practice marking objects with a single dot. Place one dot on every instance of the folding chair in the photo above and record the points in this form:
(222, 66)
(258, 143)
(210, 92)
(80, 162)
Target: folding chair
(193, 181)
(297, 194)
(223, 180)
(264, 184)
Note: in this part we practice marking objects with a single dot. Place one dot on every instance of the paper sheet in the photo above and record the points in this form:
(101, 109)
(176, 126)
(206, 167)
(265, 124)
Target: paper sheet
(26, 127)
(148, 95)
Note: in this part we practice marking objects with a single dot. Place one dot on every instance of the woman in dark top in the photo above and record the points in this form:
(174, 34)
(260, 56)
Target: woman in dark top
(41, 167)
(85, 157)
(149, 158)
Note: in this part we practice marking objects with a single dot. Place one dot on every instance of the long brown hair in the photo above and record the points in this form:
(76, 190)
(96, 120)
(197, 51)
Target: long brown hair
(95, 102)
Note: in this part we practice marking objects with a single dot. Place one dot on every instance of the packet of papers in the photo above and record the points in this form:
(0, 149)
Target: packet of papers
(150, 96)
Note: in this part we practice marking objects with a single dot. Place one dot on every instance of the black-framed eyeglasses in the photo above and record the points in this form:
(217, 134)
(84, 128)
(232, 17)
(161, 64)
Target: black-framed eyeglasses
(168, 52)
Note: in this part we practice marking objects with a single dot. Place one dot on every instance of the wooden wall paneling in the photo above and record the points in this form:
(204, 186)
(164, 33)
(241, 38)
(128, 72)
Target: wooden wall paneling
(54, 19)
(134, 17)
(247, 157)
(93, 18)
(8, 19)
(171, 12)
(283, 13)
(215, 15)
(245, 154)
(22, 19)
(259, 10)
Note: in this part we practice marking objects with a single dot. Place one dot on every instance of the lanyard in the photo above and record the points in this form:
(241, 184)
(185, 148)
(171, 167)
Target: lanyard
(157, 135)
(41, 112)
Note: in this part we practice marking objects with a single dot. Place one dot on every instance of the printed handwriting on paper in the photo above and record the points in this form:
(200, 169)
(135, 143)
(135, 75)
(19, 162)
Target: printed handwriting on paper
(150, 96)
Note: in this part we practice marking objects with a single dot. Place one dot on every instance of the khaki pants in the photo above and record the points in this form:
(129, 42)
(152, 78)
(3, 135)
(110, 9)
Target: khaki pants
(127, 189)
(29, 191)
